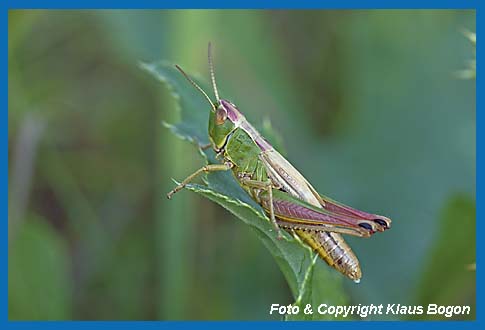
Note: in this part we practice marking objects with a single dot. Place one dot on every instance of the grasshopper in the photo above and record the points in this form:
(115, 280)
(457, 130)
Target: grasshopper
(286, 196)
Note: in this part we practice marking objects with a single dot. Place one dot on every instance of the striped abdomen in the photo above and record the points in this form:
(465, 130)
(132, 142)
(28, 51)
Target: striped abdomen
(332, 248)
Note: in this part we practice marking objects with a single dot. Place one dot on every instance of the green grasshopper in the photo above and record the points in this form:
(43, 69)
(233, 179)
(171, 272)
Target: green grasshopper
(284, 194)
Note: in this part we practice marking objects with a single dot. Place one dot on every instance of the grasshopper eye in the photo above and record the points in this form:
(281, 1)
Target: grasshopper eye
(221, 116)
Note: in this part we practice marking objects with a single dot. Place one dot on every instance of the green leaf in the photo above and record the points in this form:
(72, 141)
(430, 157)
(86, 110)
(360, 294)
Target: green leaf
(311, 281)
(39, 285)
(449, 278)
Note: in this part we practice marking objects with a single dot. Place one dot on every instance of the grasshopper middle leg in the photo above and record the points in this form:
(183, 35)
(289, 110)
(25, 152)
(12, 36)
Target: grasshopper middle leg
(267, 186)
(204, 169)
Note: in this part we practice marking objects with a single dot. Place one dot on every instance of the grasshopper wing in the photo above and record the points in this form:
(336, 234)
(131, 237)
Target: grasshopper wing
(293, 213)
(337, 207)
(297, 202)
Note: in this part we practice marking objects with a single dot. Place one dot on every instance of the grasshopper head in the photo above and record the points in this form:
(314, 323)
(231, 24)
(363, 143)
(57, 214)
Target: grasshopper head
(224, 116)
(222, 122)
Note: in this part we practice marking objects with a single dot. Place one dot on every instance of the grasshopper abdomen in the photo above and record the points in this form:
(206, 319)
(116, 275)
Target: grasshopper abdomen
(332, 248)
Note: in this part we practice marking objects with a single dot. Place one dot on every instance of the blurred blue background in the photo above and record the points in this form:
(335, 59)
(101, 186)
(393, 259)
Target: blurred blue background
(372, 111)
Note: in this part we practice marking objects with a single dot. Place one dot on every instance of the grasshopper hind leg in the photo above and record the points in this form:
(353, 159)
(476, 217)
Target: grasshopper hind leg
(271, 212)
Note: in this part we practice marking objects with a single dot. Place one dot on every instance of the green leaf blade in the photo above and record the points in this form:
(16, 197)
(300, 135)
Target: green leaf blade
(187, 98)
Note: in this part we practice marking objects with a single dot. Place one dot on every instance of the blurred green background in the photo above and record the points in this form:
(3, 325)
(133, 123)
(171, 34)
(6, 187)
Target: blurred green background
(368, 103)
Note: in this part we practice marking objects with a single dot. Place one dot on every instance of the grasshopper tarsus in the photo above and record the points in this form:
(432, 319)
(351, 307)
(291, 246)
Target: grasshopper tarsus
(172, 192)
(183, 184)
(279, 235)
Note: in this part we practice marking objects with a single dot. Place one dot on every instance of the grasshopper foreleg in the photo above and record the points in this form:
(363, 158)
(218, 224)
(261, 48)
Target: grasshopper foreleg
(205, 146)
(204, 169)
(266, 186)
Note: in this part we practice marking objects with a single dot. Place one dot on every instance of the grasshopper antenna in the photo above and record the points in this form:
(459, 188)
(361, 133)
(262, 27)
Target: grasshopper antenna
(211, 68)
(197, 87)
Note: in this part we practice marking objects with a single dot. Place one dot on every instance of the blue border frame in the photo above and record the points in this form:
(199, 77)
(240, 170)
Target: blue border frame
(251, 4)
(239, 4)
